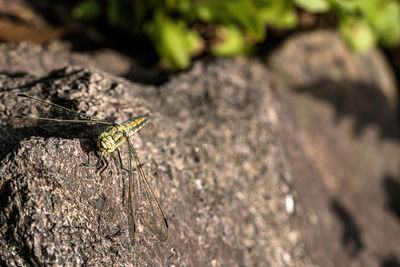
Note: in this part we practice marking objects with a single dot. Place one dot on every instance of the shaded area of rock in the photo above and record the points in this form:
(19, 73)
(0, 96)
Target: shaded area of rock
(211, 149)
(343, 113)
(360, 86)
(27, 59)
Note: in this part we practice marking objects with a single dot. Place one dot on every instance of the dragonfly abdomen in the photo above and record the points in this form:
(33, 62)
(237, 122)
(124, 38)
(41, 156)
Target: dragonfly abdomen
(134, 125)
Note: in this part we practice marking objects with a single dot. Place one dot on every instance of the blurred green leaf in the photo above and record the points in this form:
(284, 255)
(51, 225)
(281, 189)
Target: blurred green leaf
(242, 12)
(234, 42)
(281, 14)
(368, 7)
(179, 5)
(246, 13)
(173, 40)
(387, 23)
(213, 12)
(88, 9)
(358, 34)
(313, 5)
(113, 13)
(343, 7)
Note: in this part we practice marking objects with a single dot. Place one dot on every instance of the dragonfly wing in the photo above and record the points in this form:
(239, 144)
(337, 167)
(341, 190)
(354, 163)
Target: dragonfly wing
(147, 206)
(33, 107)
(35, 112)
(131, 200)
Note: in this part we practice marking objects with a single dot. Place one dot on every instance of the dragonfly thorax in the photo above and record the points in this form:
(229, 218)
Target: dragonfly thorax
(111, 139)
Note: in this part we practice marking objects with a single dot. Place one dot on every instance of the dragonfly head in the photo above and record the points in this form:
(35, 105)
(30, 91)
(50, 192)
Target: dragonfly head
(105, 142)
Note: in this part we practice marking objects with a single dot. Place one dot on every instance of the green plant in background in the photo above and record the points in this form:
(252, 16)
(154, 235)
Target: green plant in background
(237, 25)
(172, 39)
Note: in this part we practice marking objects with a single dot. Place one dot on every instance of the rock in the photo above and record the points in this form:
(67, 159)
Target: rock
(211, 148)
(294, 164)
(345, 162)
(22, 58)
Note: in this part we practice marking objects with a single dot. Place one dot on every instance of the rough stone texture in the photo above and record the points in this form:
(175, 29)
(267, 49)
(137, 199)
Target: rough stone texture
(346, 164)
(217, 165)
(230, 144)
(360, 86)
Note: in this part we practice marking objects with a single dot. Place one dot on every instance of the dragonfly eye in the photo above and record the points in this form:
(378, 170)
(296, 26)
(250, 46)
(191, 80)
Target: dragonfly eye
(105, 142)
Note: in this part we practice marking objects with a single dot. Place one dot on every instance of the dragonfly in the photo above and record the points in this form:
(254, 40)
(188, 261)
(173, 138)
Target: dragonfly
(142, 200)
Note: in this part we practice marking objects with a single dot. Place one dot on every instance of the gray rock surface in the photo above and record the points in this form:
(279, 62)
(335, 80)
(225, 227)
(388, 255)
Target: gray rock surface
(230, 145)
(210, 147)
(345, 161)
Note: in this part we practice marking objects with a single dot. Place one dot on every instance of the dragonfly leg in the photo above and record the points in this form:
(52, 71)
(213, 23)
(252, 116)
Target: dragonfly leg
(120, 161)
(99, 164)
(102, 159)
(89, 165)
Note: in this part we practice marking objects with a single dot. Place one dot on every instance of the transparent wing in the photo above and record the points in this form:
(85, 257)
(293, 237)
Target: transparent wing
(142, 197)
(131, 199)
(35, 112)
